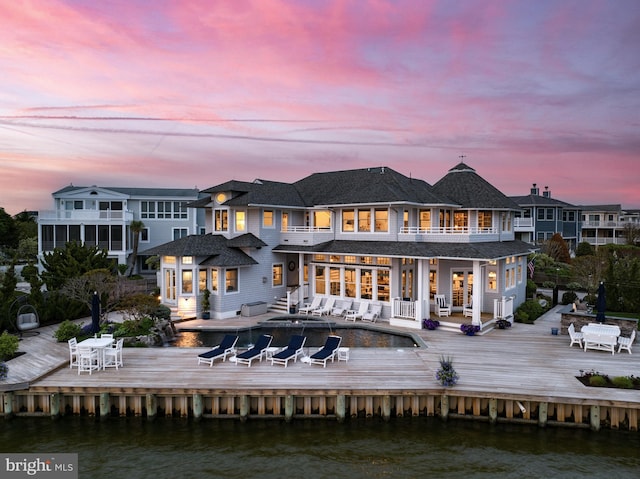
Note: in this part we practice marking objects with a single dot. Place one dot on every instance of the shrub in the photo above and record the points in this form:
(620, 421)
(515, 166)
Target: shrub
(623, 382)
(569, 297)
(597, 380)
(532, 308)
(67, 330)
(134, 327)
(532, 287)
(549, 284)
(162, 312)
(446, 375)
(521, 317)
(503, 324)
(8, 346)
(470, 329)
(430, 324)
(574, 286)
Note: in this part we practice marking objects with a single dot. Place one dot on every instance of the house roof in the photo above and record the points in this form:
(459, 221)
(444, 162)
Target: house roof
(216, 248)
(474, 251)
(601, 208)
(135, 192)
(464, 186)
(538, 200)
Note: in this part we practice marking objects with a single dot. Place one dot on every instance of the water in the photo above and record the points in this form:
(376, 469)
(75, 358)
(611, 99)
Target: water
(316, 336)
(400, 448)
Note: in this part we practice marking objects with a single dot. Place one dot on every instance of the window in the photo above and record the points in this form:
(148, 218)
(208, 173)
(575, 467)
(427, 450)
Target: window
(202, 280)
(350, 282)
(485, 219)
(214, 280)
(381, 220)
(460, 219)
(425, 219)
(285, 221)
(348, 220)
(319, 257)
(187, 281)
(550, 213)
(180, 233)
(148, 209)
(231, 280)
(383, 285)
(160, 209)
(144, 235)
(492, 281)
(277, 277)
(405, 219)
(364, 221)
(334, 281)
(322, 219)
(221, 220)
(366, 283)
(241, 221)
(187, 260)
(541, 213)
(267, 219)
(170, 259)
(320, 281)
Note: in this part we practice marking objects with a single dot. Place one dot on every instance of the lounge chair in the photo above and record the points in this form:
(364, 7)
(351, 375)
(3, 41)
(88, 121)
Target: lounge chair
(325, 308)
(626, 343)
(372, 315)
(315, 304)
(342, 308)
(226, 346)
(292, 351)
(352, 315)
(256, 352)
(441, 306)
(328, 351)
(576, 337)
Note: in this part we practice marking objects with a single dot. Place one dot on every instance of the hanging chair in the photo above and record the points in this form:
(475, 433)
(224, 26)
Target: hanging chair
(27, 319)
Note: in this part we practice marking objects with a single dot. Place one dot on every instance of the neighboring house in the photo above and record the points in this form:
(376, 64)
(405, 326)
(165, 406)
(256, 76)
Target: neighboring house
(542, 216)
(604, 224)
(101, 216)
(369, 234)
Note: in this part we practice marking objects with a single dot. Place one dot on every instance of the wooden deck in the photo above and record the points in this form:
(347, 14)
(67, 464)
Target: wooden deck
(523, 364)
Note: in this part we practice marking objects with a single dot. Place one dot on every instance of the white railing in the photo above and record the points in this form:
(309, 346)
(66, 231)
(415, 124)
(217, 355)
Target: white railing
(403, 309)
(86, 215)
(306, 229)
(604, 224)
(416, 230)
(523, 222)
(503, 308)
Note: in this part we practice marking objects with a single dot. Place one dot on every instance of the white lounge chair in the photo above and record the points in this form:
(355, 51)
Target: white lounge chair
(373, 314)
(315, 304)
(441, 306)
(259, 350)
(226, 347)
(328, 351)
(626, 343)
(467, 310)
(292, 351)
(353, 315)
(342, 308)
(325, 308)
(576, 337)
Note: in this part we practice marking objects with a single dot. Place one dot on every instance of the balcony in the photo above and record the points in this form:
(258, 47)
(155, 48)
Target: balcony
(523, 224)
(451, 234)
(605, 224)
(106, 216)
(306, 235)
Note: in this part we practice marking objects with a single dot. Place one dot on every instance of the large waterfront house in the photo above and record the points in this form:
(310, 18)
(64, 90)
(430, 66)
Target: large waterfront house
(543, 216)
(606, 224)
(101, 216)
(369, 234)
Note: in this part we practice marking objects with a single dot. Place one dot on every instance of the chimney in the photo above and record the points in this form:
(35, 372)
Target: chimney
(546, 193)
(535, 190)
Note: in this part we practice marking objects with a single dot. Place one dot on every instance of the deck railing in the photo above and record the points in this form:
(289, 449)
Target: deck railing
(503, 308)
(403, 309)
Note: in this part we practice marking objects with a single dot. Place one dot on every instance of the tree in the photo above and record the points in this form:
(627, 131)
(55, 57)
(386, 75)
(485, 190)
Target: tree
(584, 248)
(72, 261)
(136, 227)
(631, 232)
(110, 288)
(8, 231)
(557, 248)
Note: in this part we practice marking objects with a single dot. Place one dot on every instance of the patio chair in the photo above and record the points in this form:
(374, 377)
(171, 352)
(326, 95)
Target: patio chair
(372, 315)
(328, 351)
(113, 355)
(441, 306)
(292, 351)
(626, 343)
(467, 310)
(315, 304)
(73, 352)
(342, 308)
(88, 360)
(226, 346)
(576, 337)
(353, 315)
(325, 308)
(256, 352)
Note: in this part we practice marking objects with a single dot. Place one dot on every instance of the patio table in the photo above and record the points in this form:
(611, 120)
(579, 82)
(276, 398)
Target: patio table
(600, 336)
(99, 344)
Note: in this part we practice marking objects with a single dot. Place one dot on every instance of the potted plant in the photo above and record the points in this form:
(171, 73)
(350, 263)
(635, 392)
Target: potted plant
(430, 324)
(206, 305)
(446, 375)
(470, 329)
(503, 324)
(4, 370)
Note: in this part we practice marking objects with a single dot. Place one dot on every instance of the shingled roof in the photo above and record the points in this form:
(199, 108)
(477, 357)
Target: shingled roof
(464, 186)
(218, 249)
(474, 251)
(538, 200)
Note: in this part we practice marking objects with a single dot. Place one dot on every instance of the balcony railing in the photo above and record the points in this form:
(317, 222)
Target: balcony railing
(605, 224)
(523, 222)
(306, 229)
(86, 215)
(453, 230)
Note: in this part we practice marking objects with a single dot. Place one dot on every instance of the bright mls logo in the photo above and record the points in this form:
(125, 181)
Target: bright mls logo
(51, 466)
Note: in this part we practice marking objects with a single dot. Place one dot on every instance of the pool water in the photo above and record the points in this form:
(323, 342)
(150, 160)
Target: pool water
(352, 337)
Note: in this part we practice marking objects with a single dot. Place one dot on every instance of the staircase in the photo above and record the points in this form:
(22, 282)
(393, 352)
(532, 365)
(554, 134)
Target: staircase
(280, 306)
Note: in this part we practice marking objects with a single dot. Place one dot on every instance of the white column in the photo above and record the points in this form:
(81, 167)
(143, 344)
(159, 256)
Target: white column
(478, 287)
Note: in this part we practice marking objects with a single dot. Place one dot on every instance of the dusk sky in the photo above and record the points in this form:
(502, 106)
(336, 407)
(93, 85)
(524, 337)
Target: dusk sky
(193, 93)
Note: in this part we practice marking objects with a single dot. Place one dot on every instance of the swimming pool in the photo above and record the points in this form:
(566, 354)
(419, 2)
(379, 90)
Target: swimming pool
(315, 331)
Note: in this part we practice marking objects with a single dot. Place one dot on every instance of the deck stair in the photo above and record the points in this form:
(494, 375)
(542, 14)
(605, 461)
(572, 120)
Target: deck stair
(280, 306)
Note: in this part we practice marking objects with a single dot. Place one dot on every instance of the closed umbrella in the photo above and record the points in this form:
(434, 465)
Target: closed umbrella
(95, 313)
(601, 303)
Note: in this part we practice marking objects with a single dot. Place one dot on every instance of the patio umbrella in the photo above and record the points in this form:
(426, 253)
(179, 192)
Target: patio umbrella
(601, 303)
(95, 313)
